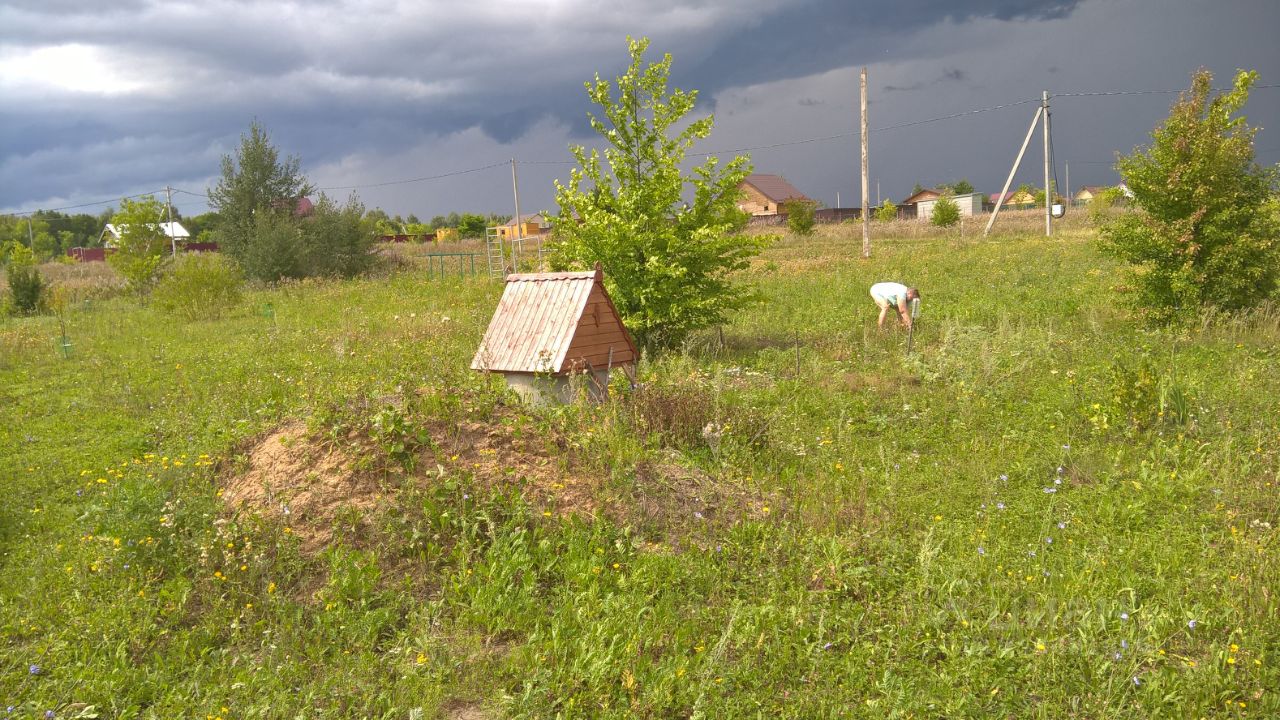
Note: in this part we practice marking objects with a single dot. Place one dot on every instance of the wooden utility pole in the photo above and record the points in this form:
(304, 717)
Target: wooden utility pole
(1013, 171)
(168, 206)
(515, 189)
(1048, 191)
(1067, 194)
(866, 194)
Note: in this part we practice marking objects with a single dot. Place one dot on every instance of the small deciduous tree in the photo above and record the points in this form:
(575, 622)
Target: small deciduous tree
(888, 212)
(663, 237)
(1202, 234)
(142, 247)
(945, 212)
(800, 216)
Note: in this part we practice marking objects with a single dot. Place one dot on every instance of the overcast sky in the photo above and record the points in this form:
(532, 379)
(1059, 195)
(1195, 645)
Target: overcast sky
(104, 99)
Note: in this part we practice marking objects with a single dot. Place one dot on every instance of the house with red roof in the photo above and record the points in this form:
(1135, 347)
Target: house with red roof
(765, 194)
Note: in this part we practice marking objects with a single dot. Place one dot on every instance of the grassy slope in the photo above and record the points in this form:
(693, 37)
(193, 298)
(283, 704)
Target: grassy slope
(914, 564)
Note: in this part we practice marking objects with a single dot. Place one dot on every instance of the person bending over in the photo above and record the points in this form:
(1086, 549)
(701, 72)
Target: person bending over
(894, 295)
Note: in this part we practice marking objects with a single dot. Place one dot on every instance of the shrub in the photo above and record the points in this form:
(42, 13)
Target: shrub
(800, 216)
(945, 212)
(1202, 236)
(25, 283)
(140, 252)
(888, 212)
(200, 286)
(334, 240)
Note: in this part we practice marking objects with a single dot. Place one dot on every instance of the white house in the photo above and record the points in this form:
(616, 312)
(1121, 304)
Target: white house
(173, 230)
(969, 203)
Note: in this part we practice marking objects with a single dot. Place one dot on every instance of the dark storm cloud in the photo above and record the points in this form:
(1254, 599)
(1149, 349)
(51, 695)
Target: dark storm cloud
(385, 88)
(339, 78)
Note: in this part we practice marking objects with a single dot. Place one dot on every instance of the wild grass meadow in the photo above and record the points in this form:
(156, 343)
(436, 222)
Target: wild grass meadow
(1044, 511)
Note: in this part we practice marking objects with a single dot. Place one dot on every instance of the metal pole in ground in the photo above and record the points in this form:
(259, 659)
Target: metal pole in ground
(911, 331)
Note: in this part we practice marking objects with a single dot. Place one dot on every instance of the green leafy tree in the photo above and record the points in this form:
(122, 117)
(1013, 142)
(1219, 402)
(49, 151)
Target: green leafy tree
(472, 226)
(888, 212)
(25, 283)
(256, 181)
(1202, 234)
(142, 248)
(961, 187)
(800, 216)
(334, 240)
(945, 212)
(663, 238)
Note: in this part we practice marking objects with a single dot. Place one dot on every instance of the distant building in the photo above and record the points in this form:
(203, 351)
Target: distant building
(764, 194)
(922, 196)
(529, 226)
(1015, 198)
(970, 204)
(111, 234)
(1088, 193)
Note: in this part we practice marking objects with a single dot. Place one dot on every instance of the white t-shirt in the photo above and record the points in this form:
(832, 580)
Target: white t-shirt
(889, 292)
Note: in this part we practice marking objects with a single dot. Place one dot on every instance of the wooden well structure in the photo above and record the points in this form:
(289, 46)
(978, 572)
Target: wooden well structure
(554, 332)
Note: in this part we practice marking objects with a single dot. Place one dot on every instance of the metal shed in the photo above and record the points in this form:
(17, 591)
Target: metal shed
(549, 327)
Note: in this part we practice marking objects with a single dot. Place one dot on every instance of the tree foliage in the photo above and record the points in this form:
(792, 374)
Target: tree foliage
(800, 216)
(888, 212)
(199, 286)
(663, 238)
(143, 246)
(1202, 234)
(25, 283)
(945, 212)
(255, 182)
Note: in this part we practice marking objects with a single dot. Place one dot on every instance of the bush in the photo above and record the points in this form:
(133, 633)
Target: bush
(888, 212)
(335, 242)
(945, 212)
(800, 216)
(200, 286)
(25, 283)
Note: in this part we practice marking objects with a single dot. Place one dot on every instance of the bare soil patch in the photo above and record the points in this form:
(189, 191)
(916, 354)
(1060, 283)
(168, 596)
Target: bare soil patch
(317, 486)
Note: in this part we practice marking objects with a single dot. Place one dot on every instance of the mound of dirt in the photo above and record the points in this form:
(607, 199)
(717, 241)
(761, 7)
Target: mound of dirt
(309, 484)
(303, 483)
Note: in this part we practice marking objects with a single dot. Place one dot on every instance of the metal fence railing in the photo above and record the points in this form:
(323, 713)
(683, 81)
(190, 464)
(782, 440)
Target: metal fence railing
(454, 264)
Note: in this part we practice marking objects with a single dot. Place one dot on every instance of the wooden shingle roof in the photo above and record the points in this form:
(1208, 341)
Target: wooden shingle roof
(554, 323)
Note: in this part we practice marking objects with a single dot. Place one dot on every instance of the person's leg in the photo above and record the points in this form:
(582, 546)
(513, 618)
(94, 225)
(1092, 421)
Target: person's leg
(884, 312)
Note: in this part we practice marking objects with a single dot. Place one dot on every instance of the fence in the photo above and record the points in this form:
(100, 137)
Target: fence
(443, 265)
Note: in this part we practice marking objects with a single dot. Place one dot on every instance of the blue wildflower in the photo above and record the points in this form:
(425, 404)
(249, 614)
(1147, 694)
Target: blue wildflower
(981, 550)
(1191, 624)
(1124, 616)
(34, 670)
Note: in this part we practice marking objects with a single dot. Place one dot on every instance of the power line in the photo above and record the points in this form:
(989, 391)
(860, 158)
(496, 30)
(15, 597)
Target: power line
(1111, 93)
(82, 205)
(414, 180)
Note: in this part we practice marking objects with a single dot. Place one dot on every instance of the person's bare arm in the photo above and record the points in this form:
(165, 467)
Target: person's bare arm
(906, 316)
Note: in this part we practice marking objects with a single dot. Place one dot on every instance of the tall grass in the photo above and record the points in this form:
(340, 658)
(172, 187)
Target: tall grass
(791, 517)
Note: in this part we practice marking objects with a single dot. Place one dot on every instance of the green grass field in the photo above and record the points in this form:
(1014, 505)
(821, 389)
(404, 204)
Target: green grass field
(1043, 512)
